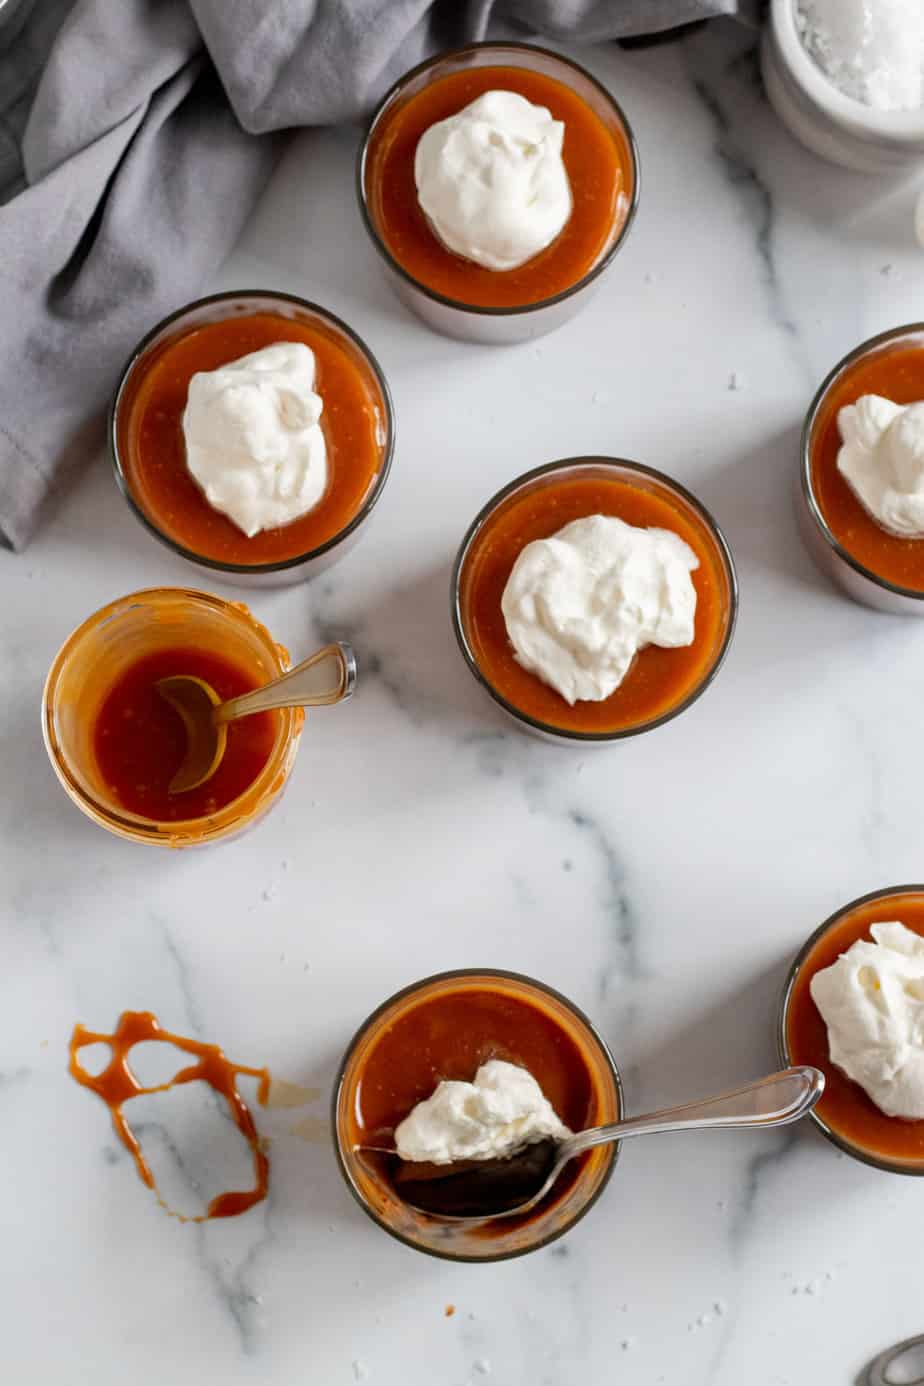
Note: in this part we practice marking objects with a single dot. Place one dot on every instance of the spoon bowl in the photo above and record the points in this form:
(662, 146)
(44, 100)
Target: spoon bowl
(478, 1190)
(326, 677)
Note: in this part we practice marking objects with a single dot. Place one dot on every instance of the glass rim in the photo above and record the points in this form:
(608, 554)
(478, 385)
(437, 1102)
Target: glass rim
(217, 565)
(133, 826)
(461, 974)
(485, 513)
(810, 500)
(793, 973)
(459, 305)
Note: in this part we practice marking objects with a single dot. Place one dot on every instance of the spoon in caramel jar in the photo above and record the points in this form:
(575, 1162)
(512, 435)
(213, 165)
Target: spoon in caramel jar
(478, 1190)
(329, 676)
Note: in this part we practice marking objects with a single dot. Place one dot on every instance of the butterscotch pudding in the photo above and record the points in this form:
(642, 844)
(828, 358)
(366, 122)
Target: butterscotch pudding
(457, 1028)
(854, 1008)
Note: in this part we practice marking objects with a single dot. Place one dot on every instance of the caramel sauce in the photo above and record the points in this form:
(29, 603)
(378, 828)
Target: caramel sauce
(449, 1036)
(139, 740)
(117, 1084)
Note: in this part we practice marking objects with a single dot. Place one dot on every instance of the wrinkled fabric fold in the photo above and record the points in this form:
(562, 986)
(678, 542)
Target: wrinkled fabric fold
(135, 138)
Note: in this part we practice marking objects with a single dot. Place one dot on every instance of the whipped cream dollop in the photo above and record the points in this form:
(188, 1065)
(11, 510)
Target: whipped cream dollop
(872, 1002)
(579, 606)
(492, 181)
(503, 1109)
(254, 443)
(882, 460)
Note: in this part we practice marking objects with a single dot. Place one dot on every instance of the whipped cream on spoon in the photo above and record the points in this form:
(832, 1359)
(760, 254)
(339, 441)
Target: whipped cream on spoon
(477, 1190)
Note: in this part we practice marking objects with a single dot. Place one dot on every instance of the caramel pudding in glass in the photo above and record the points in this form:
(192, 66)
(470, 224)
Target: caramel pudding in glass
(660, 682)
(600, 162)
(875, 566)
(115, 743)
(149, 450)
(445, 1028)
(846, 1113)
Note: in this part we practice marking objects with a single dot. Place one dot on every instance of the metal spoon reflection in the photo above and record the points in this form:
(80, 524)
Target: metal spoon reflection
(326, 677)
(478, 1190)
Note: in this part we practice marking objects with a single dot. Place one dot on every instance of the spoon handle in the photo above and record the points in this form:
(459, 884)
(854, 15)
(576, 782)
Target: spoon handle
(326, 677)
(772, 1101)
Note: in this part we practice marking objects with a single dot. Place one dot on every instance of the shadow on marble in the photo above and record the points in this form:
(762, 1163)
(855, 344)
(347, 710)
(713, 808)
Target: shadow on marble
(39, 810)
(870, 210)
(793, 618)
(305, 1181)
(405, 645)
(731, 1042)
(92, 532)
(723, 64)
(753, 497)
(292, 219)
(296, 223)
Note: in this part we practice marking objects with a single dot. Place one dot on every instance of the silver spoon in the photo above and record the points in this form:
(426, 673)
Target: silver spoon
(326, 677)
(476, 1190)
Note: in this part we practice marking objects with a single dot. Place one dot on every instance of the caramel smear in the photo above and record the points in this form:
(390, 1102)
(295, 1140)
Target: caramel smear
(283, 1094)
(314, 1130)
(116, 1084)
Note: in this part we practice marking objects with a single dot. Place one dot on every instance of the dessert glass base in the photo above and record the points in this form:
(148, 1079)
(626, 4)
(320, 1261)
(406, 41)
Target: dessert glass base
(573, 1195)
(661, 683)
(844, 1113)
(448, 312)
(359, 424)
(865, 370)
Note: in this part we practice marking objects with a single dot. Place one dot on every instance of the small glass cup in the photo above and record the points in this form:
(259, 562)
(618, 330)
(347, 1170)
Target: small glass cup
(498, 1241)
(603, 468)
(97, 653)
(242, 303)
(505, 325)
(891, 897)
(853, 577)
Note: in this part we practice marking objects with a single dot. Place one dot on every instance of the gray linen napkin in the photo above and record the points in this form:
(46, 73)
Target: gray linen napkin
(135, 136)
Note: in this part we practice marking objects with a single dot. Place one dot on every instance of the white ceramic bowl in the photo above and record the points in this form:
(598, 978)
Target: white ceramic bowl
(821, 117)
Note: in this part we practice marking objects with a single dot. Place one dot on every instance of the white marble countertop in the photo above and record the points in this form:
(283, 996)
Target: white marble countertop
(663, 885)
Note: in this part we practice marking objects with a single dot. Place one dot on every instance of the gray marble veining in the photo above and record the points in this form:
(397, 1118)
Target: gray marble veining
(663, 885)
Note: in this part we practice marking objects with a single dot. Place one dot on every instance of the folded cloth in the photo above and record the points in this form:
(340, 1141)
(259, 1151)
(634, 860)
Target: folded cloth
(136, 135)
